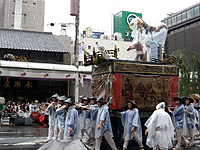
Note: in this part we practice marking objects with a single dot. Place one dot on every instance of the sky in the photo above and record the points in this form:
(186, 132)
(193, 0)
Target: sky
(98, 14)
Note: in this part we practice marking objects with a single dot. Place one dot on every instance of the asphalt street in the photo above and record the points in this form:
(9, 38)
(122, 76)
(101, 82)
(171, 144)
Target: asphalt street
(33, 137)
(22, 137)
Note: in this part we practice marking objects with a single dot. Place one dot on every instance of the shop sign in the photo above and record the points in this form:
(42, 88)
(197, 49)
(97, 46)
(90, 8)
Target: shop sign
(17, 84)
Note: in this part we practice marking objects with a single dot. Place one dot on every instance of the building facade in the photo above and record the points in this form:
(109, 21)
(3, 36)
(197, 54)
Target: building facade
(22, 14)
(90, 43)
(32, 46)
(184, 31)
(40, 68)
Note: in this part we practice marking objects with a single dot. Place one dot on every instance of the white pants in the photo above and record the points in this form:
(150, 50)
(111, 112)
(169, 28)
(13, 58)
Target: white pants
(108, 138)
(61, 133)
(136, 137)
(179, 136)
(56, 131)
(51, 131)
(191, 134)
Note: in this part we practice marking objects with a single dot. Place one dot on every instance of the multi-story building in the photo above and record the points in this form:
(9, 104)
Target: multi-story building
(22, 14)
(184, 31)
(35, 65)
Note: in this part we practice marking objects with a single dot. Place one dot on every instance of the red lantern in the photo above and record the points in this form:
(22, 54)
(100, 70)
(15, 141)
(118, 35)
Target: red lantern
(23, 74)
(46, 75)
(67, 76)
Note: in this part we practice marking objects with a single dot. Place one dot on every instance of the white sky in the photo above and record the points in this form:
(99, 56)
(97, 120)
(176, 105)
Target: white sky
(98, 13)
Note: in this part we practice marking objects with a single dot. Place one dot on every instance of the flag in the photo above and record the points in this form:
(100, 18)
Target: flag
(81, 81)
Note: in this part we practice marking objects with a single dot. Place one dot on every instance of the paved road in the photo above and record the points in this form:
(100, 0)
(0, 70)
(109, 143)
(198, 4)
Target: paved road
(22, 137)
(33, 137)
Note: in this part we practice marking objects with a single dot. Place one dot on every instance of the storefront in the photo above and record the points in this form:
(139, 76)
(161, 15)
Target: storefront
(28, 80)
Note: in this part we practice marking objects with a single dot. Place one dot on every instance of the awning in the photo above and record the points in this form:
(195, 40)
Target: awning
(42, 71)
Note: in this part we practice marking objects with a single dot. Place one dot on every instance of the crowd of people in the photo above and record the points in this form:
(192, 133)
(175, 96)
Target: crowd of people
(90, 117)
(24, 109)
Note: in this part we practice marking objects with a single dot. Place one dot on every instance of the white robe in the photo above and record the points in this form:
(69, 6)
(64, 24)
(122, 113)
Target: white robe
(160, 130)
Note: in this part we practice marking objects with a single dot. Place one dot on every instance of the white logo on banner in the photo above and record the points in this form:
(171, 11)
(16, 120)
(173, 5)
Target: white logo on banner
(130, 17)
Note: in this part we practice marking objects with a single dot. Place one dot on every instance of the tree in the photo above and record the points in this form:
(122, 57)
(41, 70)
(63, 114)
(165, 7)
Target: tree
(190, 66)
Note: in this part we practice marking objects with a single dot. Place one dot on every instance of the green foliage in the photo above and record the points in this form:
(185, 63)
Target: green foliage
(190, 66)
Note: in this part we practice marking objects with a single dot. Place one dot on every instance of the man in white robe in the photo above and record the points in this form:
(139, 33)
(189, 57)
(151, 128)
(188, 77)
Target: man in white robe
(160, 129)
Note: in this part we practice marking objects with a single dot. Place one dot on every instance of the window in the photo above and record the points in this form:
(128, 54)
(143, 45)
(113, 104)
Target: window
(169, 22)
(196, 11)
(173, 20)
(183, 16)
(166, 22)
(178, 18)
(190, 14)
(80, 63)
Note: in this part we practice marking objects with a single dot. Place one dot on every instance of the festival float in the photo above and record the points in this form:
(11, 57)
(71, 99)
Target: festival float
(140, 77)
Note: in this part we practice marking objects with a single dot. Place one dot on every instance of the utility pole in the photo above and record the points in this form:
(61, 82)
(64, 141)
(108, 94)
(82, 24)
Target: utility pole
(75, 8)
